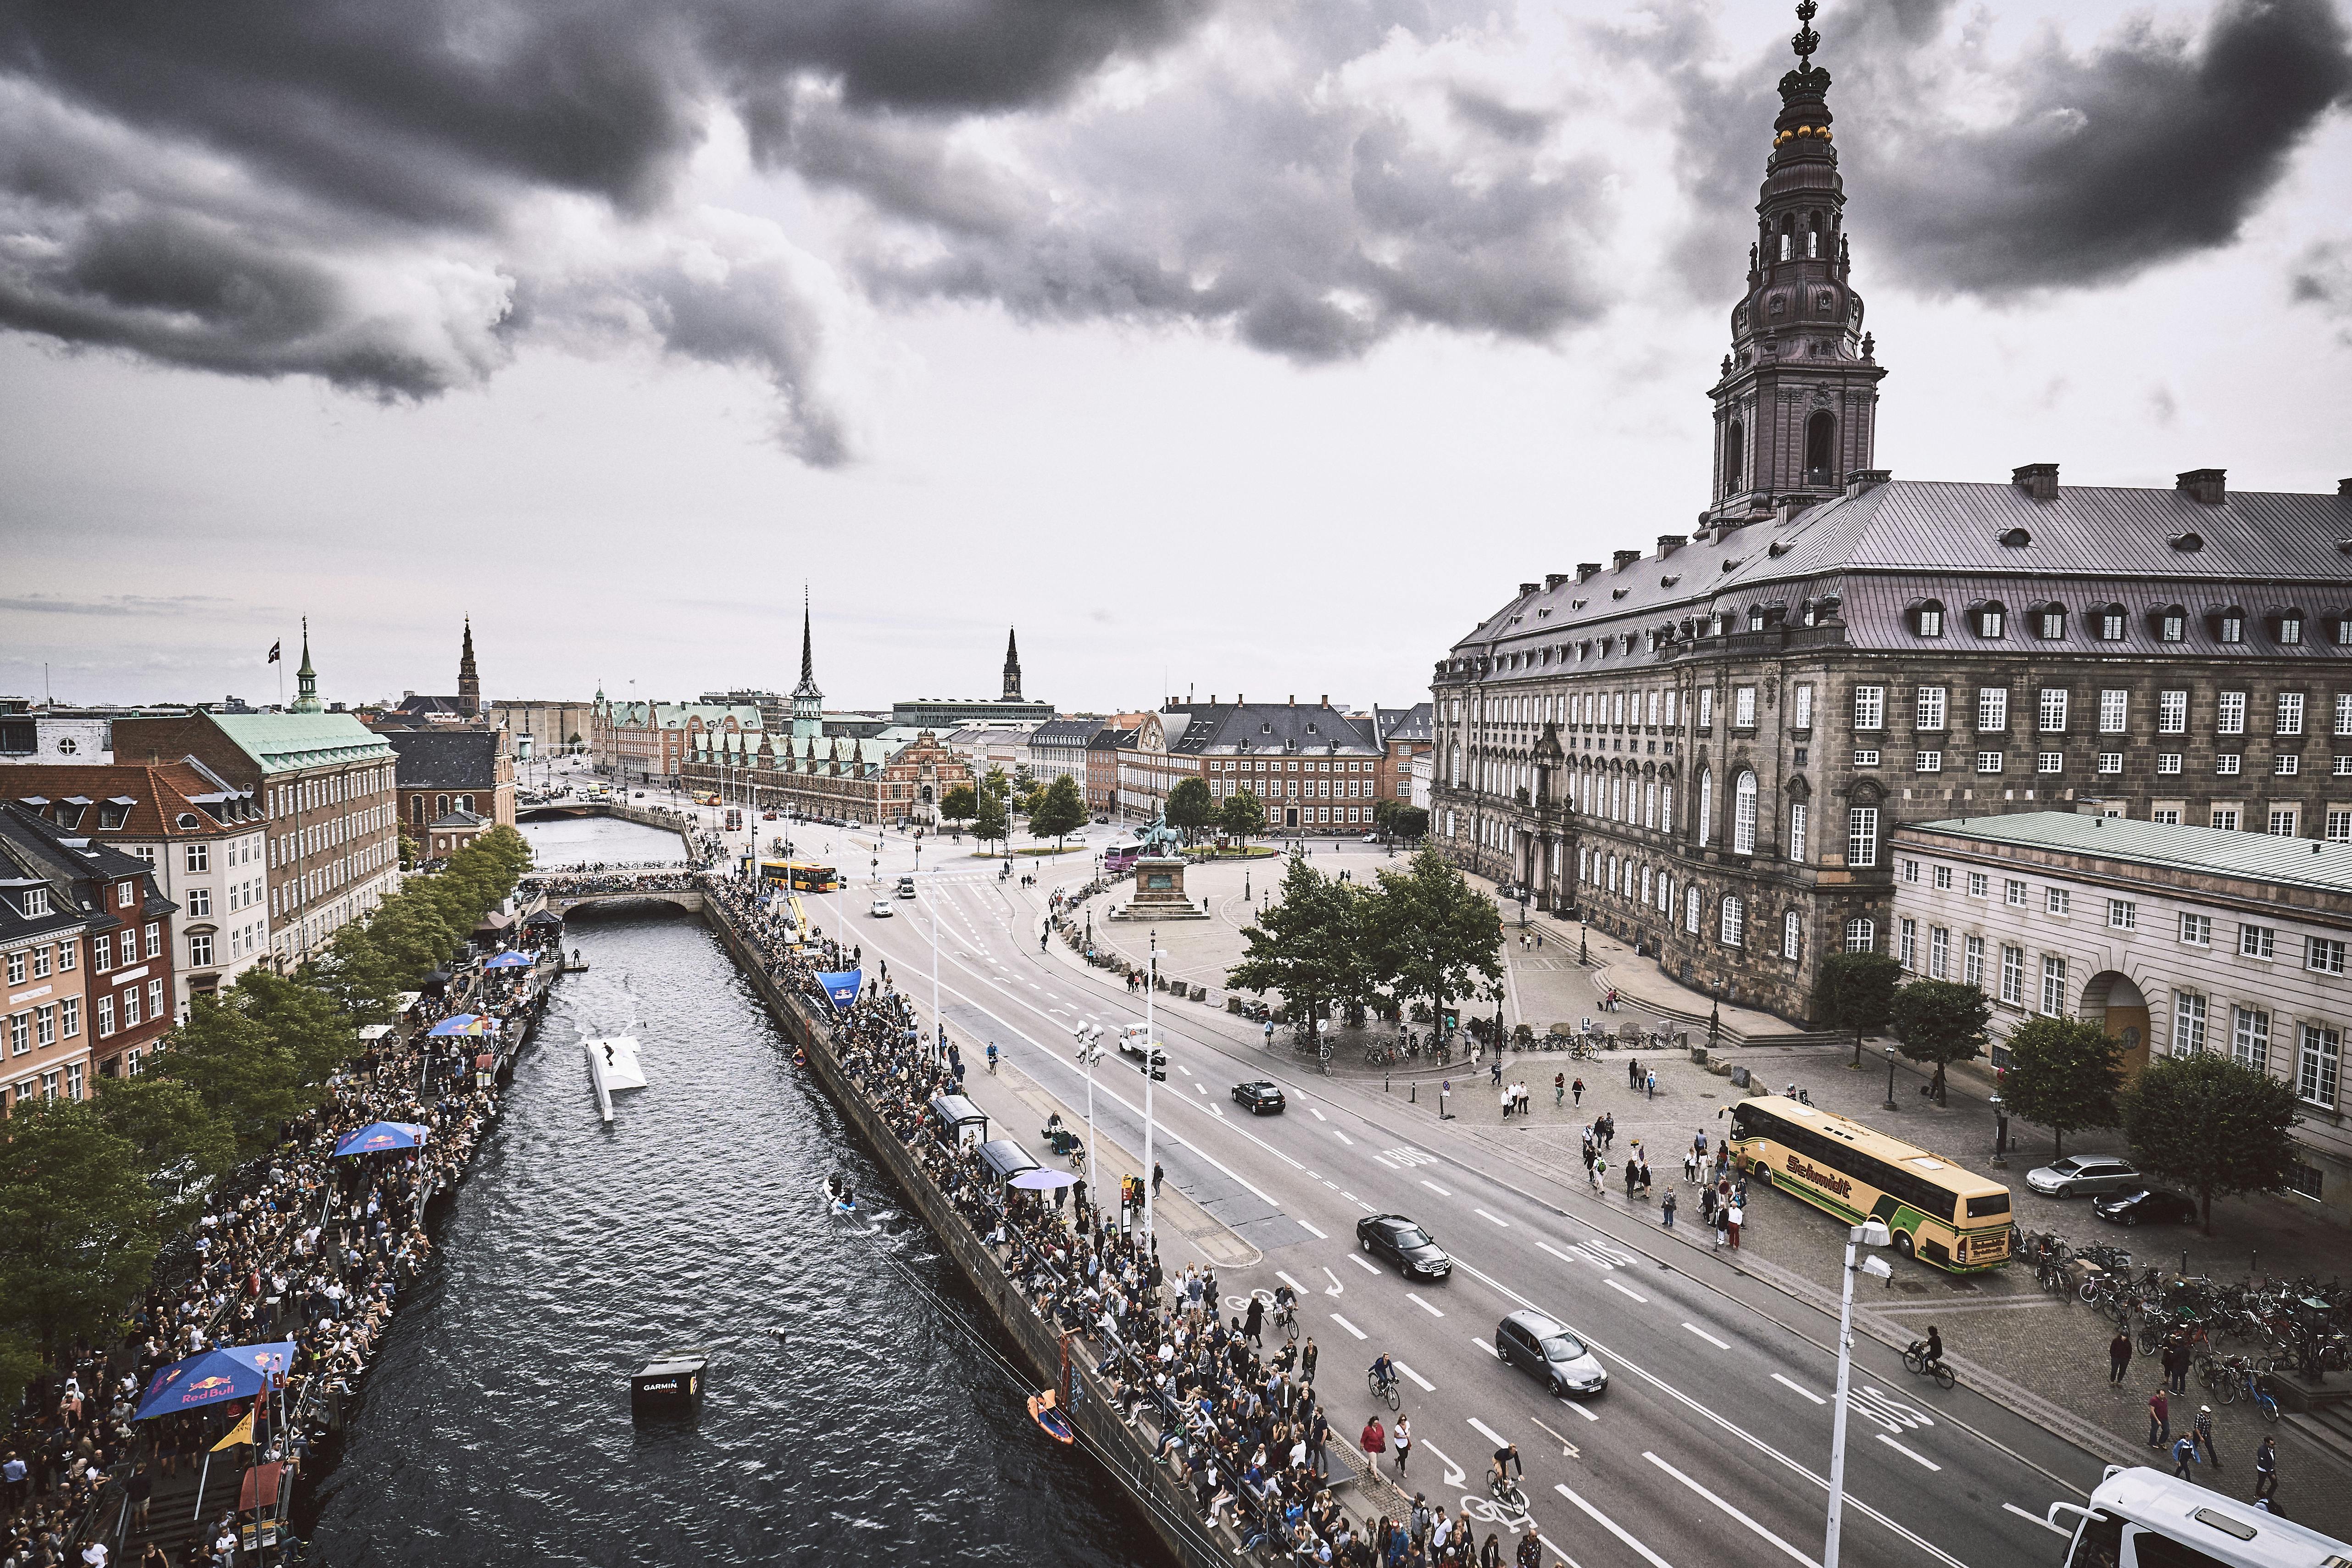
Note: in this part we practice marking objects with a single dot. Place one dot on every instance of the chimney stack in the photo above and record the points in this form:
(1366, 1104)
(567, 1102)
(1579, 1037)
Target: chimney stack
(1625, 558)
(2344, 486)
(1528, 590)
(2202, 485)
(2039, 480)
(1554, 579)
(1585, 571)
(1293, 699)
(1327, 699)
(1670, 542)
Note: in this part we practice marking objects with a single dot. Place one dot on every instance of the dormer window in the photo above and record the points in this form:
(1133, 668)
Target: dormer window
(111, 816)
(35, 903)
(2050, 621)
(2172, 624)
(1992, 619)
(1755, 618)
(2109, 620)
(1928, 618)
(2230, 625)
(2290, 628)
(2344, 631)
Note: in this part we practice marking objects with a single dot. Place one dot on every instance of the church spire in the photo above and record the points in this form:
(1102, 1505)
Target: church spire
(1796, 406)
(306, 680)
(470, 680)
(808, 702)
(1012, 668)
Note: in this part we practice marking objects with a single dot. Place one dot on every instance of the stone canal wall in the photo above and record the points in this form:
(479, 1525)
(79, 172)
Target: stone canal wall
(1166, 1506)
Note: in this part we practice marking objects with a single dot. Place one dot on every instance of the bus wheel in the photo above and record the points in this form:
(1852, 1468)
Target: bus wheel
(1903, 1243)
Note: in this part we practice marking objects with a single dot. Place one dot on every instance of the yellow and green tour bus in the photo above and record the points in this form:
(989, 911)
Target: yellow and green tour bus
(801, 875)
(1939, 1213)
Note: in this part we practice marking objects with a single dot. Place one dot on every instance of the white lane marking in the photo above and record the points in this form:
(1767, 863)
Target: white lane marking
(1911, 1454)
(1317, 1114)
(1219, 1111)
(1547, 1247)
(1351, 1197)
(1627, 1289)
(1710, 1339)
(1433, 1187)
(1498, 1219)
(1487, 1346)
(1183, 1068)
(1343, 1138)
(1799, 1388)
(1315, 1176)
(1612, 1527)
(1385, 1162)
(1202, 1087)
(1317, 1235)
(1416, 1299)
(1294, 1284)
(1348, 1326)
(1337, 1289)
(1426, 1386)
(1455, 1474)
(1365, 1206)
(2054, 1530)
(1726, 1508)
(1490, 1434)
(1360, 1262)
(1581, 1410)
(1725, 1424)
(1568, 1450)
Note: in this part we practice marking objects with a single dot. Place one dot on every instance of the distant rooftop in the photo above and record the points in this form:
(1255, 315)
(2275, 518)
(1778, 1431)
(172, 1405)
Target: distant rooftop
(2261, 857)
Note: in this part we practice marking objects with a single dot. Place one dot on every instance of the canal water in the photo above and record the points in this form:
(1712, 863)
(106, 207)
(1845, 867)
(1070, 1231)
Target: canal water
(589, 840)
(846, 1419)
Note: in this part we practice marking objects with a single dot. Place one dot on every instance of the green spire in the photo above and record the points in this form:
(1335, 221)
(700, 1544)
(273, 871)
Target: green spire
(306, 680)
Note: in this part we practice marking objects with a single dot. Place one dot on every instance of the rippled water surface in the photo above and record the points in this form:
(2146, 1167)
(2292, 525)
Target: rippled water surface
(846, 1420)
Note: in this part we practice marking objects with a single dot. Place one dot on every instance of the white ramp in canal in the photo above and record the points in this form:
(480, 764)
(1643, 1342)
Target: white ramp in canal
(613, 1064)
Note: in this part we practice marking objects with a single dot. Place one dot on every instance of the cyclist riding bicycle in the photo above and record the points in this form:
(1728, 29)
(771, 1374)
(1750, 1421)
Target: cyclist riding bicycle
(1285, 1302)
(1506, 1459)
(992, 1056)
(1934, 1345)
(1269, 1033)
(1383, 1370)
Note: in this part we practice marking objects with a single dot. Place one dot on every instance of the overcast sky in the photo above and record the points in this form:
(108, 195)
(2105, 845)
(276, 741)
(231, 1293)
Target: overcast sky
(1222, 347)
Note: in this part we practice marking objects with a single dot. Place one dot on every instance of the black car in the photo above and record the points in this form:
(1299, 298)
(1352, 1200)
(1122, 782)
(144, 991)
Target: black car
(2146, 1205)
(1259, 1099)
(1404, 1244)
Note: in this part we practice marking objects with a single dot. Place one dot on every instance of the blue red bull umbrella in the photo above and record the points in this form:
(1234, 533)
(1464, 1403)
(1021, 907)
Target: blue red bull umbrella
(378, 1135)
(460, 1024)
(508, 961)
(841, 985)
(208, 1377)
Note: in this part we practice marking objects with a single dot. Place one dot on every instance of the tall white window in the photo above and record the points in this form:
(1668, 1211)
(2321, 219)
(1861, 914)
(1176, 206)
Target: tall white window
(2054, 708)
(1796, 814)
(1743, 708)
(1690, 911)
(2188, 1023)
(1992, 707)
(1930, 704)
(2250, 1038)
(2115, 712)
(1705, 808)
(2318, 1060)
(1862, 934)
(1906, 943)
(2230, 713)
(2012, 974)
(2343, 725)
(1802, 716)
(1870, 707)
(1792, 933)
(2290, 713)
(1972, 962)
(1705, 708)
(1735, 920)
(1743, 814)
(1862, 836)
(2054, 987)
(1939, 953)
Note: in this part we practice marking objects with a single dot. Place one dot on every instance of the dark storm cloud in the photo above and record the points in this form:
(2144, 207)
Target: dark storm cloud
(2073, 168)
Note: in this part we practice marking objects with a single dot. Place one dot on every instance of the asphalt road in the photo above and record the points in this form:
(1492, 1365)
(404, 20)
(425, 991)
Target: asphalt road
(1713, 1436)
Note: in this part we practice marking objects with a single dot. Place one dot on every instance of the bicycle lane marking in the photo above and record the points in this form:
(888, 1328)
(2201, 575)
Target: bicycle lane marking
(1611, 1526)
(1426, 1386)
(1726, 1508)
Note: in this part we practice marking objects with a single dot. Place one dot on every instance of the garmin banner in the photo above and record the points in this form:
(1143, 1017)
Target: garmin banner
(841, 985)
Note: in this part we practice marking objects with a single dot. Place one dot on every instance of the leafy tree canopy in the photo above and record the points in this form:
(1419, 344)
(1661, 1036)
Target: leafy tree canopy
(2213, 1126)
(2062, 1074)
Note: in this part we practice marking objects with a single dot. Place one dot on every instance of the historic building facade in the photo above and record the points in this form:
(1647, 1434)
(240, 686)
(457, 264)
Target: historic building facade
(1704, 749)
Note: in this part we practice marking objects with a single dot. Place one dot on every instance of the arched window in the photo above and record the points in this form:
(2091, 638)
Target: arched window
(1821, 444)
(1928, 617)
(2110, 619)
(1705, 808)
(1992, 619)
(1735, 455)
(1861, 935)
(1733, 928)
(440, 805)
(1690, 911)
(465, 803)
(1743, 814)
(1813, 236)
(2229, 623)
(1666, 804)
(1792, 933)
(2172, 623)
(1650, 805)
(417, 809)
(1788, 239)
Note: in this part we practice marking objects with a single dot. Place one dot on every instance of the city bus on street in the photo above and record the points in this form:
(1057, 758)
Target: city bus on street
(1939, 1213)
(801, 875)
(1122, 856)
(2142, 1518)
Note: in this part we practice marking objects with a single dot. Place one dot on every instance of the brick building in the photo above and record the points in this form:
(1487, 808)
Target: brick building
(443, 771)
(202, 838)
(86, 948)
(325, 784)
(2176, 940)
(1102, 761)
(1704, 749)
(1317, 769)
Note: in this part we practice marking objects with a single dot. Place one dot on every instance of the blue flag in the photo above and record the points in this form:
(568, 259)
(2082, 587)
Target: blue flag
(841, 985)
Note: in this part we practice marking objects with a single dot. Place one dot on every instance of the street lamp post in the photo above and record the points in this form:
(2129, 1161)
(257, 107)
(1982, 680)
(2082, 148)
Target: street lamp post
(939, 1025)
(1869, 1233)
(2000, 1132)
(1150, 1045)
(1089, 1053)
(1890, 1077)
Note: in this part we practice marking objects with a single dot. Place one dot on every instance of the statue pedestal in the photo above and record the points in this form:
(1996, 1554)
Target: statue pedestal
(1158, 894)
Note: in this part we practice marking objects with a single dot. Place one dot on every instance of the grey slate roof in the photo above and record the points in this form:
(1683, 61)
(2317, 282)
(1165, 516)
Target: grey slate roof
(1246, 728)
(445, 758)
(2261, 857)
(1066, 733)
(1401, 723)
(1887, 546)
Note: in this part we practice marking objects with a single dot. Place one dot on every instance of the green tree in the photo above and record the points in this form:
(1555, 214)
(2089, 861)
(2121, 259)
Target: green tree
(302, 1020)
(78, 1229)
(1190, 806)
(959, 803)
(238, 1069)
(1242, 815)
(2065, 1075)
(2213, 1126)
(1432, 934)
(1855, 992)
(1307, 947)
(1938, 1021)
(1410, 823)
(167, 1126)
(1382, 810)
(992, 822)
(1060, 811)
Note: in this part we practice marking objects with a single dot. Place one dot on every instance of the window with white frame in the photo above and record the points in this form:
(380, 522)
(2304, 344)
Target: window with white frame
(2122, 914)
(2012, 974)
(1907, 944)
(2250, 1037)
(200, 950)
(2050, 762)
(2317, 1062)
(2257, 941)
(1992, 707)
(1706, 718)
(1866, 756)
(2167, 762)
(1942, 878)
(1870, 707)
(2114, 712)
(1792, 933)
(2230, 713)
(2013, 893)
(1989, 762)
(1929, 762)
(1972, 962)
(2227, 765)
(2188, 1023)
(2283, 819)
(2057, 901)
(1743, 708)
(2343, 723)
(1939, 952)
(2172, 712)
(1798, 813)
(2053, 986)
(2323, 955)
(2225, 817)
(2290, 713)
(1862, 934)
(2340, 825)
(1743, 814)
(2111, 763)
(1802, 709)
(1734, 924)
(1690, 911)
(2051, 709)
(1862, 836)
(1980, 885)
(1929, 707)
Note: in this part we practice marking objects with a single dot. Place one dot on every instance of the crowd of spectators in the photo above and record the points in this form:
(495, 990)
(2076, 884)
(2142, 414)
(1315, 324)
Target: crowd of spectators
(1243, 1430)
(298, 1247)
(671, 878)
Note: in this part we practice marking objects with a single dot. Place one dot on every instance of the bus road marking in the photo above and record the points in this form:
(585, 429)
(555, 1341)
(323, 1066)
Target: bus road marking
(1426, 1386)
(1612, 1527)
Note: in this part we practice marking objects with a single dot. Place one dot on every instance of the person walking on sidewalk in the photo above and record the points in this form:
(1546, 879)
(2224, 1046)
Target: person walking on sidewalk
(2265, 1472)
(1596, 1171)
(2119, 1355)
(1666, 1210)
(1374, 1441)
(1632, 1073)
(1577, 1089)
(2203, 1429)
(2159, 1418)
(1403, 1442)
(2184, 1454)
(1307, 1361)
(2176, 1362)
(1558, 1089)
(1650, 1084)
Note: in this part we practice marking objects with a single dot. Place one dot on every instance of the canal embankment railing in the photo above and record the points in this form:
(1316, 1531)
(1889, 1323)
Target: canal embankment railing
(1123, 1449)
